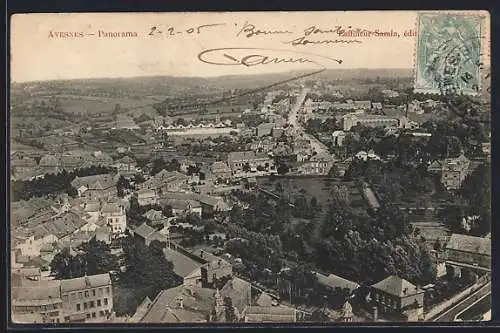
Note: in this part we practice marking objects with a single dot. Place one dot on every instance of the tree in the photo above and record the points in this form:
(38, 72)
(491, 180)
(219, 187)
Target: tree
(334, 172)
(91, 258)
(246, 167)
(64, 265)
(98, 257)
(282, 168)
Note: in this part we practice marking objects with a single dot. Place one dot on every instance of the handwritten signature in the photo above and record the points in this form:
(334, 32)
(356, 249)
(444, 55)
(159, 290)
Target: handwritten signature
(227, 56)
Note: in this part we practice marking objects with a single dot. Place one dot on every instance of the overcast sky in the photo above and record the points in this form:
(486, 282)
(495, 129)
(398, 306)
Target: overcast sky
(37, 56)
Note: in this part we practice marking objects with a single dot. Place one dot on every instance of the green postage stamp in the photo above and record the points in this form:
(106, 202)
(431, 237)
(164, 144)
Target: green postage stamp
(448, 55)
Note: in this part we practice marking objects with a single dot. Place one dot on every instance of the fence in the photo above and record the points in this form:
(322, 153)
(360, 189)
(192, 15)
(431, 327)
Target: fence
(455, 299)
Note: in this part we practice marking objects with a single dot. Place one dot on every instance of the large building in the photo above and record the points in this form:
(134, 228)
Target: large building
(115, 216)
(394, 295)
(351, 120)
(84, 299)
(464, 251)
(96, 187)
(238, 160)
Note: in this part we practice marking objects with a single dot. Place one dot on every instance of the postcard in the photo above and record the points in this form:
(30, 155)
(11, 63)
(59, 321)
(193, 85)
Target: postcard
(250, 167)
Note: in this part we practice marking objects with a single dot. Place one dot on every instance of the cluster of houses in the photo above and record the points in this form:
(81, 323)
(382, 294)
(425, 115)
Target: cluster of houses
(40, 301)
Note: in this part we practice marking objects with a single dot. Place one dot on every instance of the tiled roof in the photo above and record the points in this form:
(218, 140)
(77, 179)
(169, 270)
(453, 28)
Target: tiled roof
(144, 231)
(264, 300)
(397, 286)
(37, 293)
(60, 226)
(334, 281)
(112, 207)
(96, 182)
(244, 156)
(471, 244)
(91, 281)
(196, 305)
(239, 291)
(183, 265)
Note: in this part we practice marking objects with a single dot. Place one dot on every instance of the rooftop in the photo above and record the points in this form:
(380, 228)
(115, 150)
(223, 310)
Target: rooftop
(334, 281)
(85, 282)
(397, 286)
(196, 304)
(471, 244)
(183, 265)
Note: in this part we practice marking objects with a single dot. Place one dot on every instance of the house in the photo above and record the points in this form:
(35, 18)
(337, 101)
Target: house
(265, 129)
(166, 181)
(180, 305)
(211, 204)
(454, 171)
(125, 166)
(181, 207)
(238, 161)
(240, 292)
(88, 298)
(36, 302)
(155, 216)
(272, 314)
(393, 295)
(215, 270)
(96, 187)
(145, 233)
(84, 299)
(185, 267)
(147, 197)
(264, 145)
(351, 120)
(338, 138)
(221, 170)
(469, 252)
(55, 229)
(335, 282)
(316, 165)
(115, 216)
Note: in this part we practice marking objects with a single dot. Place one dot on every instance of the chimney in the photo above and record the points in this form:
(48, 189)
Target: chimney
(375, 313)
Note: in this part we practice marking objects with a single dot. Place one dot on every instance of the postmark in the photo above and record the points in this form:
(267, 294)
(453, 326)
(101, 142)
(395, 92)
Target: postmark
(448, 55)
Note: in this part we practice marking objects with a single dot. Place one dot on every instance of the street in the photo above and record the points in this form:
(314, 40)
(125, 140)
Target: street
(293, 119)
(450, 314)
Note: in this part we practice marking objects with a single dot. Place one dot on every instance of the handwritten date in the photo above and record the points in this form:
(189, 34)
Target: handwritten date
(171, 31)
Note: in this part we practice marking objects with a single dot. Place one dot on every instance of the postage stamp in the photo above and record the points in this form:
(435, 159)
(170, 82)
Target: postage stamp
(448, 55)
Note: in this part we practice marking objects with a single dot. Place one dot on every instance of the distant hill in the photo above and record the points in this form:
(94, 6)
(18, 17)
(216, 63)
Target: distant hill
(156, 84)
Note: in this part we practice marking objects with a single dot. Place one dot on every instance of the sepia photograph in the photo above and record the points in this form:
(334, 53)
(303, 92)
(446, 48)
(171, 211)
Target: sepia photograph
(250, 167)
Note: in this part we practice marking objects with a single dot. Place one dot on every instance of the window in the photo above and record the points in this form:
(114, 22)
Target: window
(93, 292)
(80, 295)
(92, 304)
(101, 291)
(93, 314)
(86, 293)
(107, 290)
(78, 307)
(65, 298)
(105, 301)
(98, 302)
(101, 313)
(73, 295)
(85, 305)
(88, 315)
